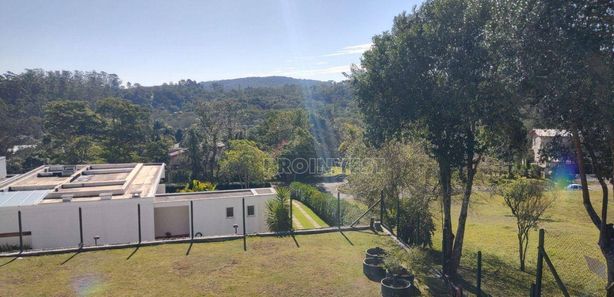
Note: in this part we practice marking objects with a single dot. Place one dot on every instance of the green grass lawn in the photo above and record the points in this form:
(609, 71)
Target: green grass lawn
(306, 218)
(313, 265)
(571, 241)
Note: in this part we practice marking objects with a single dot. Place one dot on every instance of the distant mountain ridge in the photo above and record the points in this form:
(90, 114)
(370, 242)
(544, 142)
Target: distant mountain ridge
(260, 82)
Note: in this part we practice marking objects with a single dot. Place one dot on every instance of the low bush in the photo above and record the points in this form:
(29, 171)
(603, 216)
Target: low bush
(278, 211)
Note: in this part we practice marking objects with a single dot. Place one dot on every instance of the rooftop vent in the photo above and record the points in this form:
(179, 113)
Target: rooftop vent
(136, 194)
(106, 196)
(67, 197)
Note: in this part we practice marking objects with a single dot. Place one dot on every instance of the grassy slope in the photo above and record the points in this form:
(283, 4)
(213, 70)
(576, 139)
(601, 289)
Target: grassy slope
(307, 224)
(323, 265)
(570, 236)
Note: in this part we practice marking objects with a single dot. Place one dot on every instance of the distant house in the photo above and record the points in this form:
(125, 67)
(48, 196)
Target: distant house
(19, 147)
(176, 156)
(540, 138)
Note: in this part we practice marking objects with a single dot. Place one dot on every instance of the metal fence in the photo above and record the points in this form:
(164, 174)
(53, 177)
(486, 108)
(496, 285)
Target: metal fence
(576, 267)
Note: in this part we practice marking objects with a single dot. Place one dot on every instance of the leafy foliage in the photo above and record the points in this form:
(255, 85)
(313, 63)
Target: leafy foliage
(528, 202)
(198, 186)
(278, 211)
(245, 162)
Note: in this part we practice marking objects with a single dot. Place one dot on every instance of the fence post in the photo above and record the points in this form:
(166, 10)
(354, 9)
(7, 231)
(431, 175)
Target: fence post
(381, 208)
(138, 209)
(339, 209)
(398, 217)
(80, 229)
(192, 220)
(244, 231)
(291, 218)
(479, 277)
(20, 232)
(540, 264)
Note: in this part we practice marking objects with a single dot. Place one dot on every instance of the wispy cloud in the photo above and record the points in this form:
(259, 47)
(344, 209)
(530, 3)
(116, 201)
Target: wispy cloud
(351, 50)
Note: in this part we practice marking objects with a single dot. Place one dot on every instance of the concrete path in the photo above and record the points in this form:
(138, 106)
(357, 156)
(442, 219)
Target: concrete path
(309, 218)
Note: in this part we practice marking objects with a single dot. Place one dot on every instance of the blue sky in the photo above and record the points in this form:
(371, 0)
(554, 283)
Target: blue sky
(151, 42)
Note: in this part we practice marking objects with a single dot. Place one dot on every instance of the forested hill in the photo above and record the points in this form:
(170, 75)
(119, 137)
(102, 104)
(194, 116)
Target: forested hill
(260, 82)
(24, 96)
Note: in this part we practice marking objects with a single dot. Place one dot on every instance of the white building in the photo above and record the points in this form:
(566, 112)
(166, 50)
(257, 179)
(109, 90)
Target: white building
(542, 137)
(2, 168)
(109, 198)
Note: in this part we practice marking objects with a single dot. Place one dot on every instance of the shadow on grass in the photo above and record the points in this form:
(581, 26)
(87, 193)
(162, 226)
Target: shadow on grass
(295, 242)
(346, 238)
(187, 253)
(70, 258)
(133, 252)
(8, 262)
(499, 277)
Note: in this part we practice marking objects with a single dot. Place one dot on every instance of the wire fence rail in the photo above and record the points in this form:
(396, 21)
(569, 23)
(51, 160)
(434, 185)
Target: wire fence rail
(579, 268)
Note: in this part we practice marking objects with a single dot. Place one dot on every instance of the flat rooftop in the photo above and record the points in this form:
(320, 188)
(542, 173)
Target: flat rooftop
(89, 182)
(171, 197)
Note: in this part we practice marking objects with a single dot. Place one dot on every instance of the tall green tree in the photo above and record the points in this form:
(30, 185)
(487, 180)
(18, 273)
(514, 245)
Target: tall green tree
(432, 77)
(70, 129)
(563, 65)
(126, 129)
(192, 142)
(219, 121)
(243, 161)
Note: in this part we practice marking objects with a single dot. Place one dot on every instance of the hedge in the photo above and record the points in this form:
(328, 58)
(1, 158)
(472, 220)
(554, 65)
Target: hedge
(324, 204)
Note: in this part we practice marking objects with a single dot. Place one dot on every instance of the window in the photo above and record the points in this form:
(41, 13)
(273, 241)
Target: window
(230, 212)
(251, 210)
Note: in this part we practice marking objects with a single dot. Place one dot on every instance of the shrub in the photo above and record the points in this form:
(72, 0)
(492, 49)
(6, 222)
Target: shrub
(278, 213)
(198, 186)
(416, 222)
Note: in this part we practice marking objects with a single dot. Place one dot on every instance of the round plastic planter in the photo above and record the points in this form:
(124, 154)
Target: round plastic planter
(373, 268)
(376, 252)
(396, 287)
(404, 274)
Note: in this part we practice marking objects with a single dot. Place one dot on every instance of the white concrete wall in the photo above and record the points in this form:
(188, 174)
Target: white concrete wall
(2, 167)
(174, 219)
(210, 214)
(56, 225)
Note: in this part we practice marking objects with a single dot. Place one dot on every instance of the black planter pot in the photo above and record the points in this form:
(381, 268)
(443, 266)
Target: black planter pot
(376, 252)
(396, 287)
(403, 274)
(373, 268)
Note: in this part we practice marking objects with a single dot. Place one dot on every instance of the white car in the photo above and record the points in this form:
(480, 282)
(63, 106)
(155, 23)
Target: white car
(574, 187)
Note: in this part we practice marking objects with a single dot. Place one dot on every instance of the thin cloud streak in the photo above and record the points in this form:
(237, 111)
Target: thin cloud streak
(351, 50)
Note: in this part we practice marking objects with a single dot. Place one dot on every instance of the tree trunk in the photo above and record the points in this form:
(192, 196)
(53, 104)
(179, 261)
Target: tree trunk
(445, 178)
(586, 198)
(457, 251)
(520, 249)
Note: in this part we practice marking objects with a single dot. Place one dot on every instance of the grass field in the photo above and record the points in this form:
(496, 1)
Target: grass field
(571, 242)
(308, 265)
(304, 217)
